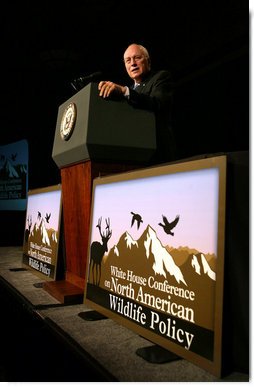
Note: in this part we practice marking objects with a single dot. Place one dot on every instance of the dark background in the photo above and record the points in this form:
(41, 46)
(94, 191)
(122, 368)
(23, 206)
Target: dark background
(45, 44)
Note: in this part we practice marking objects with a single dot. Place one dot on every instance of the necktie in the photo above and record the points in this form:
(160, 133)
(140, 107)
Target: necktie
(136, 85)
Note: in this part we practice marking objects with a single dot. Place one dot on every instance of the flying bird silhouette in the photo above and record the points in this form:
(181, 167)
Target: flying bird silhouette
(137, 218)
(47, 216)
(169, 226)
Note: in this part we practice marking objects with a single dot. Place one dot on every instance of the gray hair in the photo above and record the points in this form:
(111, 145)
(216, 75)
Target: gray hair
(142, 48)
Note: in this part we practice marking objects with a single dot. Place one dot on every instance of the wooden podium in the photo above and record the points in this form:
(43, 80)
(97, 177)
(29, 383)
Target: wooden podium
(93, 137)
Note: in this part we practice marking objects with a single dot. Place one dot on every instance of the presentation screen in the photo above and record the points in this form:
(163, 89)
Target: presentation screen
(156, 255)
(42, 231)
(14, 176)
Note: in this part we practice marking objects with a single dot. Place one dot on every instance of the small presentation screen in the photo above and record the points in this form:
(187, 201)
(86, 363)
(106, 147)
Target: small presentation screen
(42, 231)
(14, 176)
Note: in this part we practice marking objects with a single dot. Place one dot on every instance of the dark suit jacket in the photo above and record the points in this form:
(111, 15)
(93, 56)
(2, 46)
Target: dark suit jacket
(155, 94)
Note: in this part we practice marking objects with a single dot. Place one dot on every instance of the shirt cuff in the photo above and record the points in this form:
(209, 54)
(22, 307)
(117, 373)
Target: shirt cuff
(127, 92)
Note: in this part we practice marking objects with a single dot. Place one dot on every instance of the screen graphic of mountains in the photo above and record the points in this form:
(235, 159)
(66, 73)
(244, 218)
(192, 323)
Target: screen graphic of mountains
(183, 268)
(8, 170)
(41, 236)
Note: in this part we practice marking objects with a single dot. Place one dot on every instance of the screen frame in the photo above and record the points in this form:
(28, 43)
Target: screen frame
(26, 256)
(213, 366)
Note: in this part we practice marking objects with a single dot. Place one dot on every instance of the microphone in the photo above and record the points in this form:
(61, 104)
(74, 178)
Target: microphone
(82, 81)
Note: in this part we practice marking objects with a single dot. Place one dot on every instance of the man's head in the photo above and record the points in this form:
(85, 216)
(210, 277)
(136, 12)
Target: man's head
(137, 62)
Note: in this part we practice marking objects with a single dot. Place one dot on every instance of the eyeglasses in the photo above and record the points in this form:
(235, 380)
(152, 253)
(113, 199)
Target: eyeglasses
(136, 58)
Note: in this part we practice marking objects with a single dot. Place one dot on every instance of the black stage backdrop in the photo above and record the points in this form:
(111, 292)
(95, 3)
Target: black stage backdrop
(205, 44)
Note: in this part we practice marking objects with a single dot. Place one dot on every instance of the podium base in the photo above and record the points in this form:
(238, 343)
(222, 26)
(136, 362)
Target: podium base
(156, 354)
(64, 291)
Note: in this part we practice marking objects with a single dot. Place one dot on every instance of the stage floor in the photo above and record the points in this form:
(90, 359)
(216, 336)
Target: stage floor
(103, 347)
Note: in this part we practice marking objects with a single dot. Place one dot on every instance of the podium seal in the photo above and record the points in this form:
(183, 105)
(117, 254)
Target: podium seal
(68, 121)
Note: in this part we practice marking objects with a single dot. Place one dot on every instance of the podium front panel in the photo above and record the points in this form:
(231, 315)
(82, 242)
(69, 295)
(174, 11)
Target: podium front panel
(104, 130)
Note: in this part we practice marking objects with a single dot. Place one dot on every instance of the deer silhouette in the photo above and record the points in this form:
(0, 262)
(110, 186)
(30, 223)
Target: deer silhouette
(28, 230)
(98, 250)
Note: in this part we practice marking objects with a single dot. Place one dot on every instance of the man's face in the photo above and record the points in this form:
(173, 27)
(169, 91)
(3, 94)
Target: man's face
(136, 64)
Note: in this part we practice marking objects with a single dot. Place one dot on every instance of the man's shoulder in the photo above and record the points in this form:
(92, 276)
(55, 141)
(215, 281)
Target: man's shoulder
(163, 73)
(160, 74)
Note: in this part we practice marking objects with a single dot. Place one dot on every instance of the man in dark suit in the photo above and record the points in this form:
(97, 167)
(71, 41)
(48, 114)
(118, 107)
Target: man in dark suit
(150, 91)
